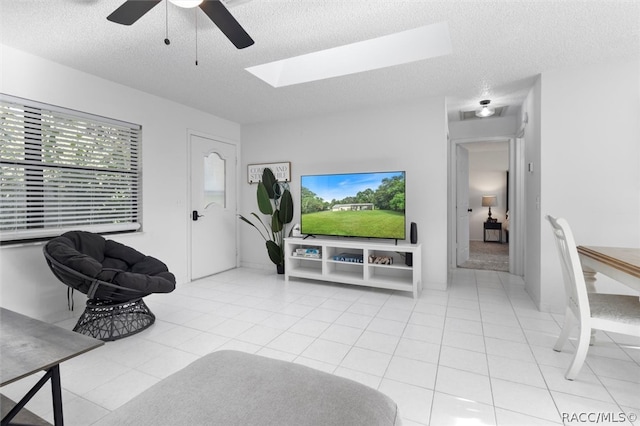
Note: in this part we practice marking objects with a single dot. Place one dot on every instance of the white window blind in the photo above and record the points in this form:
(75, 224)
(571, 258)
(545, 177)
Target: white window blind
(63, 170)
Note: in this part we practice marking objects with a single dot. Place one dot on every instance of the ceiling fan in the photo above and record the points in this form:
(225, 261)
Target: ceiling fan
(132, 10)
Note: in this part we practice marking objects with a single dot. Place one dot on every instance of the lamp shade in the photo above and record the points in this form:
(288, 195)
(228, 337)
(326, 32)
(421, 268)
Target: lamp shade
(489, 201)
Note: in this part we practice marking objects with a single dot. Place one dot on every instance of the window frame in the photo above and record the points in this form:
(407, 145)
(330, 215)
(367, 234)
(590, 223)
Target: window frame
(63, 169)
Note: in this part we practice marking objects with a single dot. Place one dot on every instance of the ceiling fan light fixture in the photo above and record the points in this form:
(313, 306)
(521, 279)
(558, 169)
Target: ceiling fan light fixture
(485, 111)
(187, 4)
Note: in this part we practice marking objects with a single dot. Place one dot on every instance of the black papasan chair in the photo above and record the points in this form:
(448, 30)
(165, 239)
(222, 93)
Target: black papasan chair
(114, 277)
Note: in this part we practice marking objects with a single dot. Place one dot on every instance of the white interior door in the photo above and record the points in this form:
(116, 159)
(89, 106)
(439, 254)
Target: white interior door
(462, 204)
(213, 206)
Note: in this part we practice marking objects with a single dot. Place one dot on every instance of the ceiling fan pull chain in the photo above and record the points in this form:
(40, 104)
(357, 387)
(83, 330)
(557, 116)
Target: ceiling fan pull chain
(195, 9)
(166, 23)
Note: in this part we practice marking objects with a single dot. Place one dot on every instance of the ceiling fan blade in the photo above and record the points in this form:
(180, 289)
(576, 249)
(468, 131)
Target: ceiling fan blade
(220, 16)
(131, 11)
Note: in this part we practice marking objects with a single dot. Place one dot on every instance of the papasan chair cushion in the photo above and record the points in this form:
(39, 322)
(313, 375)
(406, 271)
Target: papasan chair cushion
(111, 262)
(115, 279)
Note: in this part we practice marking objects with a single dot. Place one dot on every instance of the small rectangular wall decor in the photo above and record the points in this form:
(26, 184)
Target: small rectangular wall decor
(282, 171)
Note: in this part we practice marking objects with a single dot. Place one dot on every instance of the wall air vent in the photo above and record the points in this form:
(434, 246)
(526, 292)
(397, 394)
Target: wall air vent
(471, 114)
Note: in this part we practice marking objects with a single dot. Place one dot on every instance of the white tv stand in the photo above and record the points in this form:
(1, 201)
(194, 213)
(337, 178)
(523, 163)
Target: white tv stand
(396, 276)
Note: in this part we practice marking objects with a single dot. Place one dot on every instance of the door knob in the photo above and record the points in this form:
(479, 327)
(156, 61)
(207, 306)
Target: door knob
(195, 215)
(469, 210)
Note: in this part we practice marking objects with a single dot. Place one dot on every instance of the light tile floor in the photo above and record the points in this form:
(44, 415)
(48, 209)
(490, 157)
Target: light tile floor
(476, 354)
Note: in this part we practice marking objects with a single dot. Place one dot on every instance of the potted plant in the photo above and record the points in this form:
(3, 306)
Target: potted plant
(274, 201)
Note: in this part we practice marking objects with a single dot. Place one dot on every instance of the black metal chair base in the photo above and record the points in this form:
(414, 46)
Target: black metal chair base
(113, 321)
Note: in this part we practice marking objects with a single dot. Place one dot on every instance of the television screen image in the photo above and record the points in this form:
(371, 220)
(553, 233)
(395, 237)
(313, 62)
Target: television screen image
(370, 205)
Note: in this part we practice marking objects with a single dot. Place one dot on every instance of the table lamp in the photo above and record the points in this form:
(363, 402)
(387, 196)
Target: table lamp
(489, 201)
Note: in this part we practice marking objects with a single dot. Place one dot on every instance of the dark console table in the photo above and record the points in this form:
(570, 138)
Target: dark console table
(29, 346)
(493, 226)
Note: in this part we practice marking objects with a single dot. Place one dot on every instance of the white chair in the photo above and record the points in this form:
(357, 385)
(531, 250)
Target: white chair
(608, 312)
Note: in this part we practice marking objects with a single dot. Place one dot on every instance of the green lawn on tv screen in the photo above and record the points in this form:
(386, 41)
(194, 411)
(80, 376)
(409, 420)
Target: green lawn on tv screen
(370, 223)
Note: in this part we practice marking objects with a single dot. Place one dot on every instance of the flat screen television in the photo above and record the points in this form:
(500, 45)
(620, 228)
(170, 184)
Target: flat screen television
(369, 205)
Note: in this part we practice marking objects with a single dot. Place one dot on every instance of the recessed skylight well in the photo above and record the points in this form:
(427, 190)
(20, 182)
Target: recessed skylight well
(413, 45)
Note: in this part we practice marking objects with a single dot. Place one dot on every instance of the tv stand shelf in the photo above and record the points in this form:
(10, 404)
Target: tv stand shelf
(349, 262)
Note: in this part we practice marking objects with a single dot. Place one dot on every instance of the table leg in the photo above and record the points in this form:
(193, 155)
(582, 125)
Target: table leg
(590, 281)
(56, 392)
(52, 374)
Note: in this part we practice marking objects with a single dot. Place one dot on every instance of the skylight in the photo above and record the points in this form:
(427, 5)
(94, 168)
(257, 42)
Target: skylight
(413, 45)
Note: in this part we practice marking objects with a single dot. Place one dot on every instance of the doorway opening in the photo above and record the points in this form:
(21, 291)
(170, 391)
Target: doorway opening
(486, 196)
(488, 182)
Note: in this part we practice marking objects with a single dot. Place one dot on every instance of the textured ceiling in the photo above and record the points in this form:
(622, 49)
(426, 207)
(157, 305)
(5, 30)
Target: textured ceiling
(498, 49)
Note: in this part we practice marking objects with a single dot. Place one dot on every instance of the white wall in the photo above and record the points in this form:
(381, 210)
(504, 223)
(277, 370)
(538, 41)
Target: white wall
(493, 127)
(487, 176)
(577, 150)
(590, 164)
(410, 137)
(532, 215)
(27, 285)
